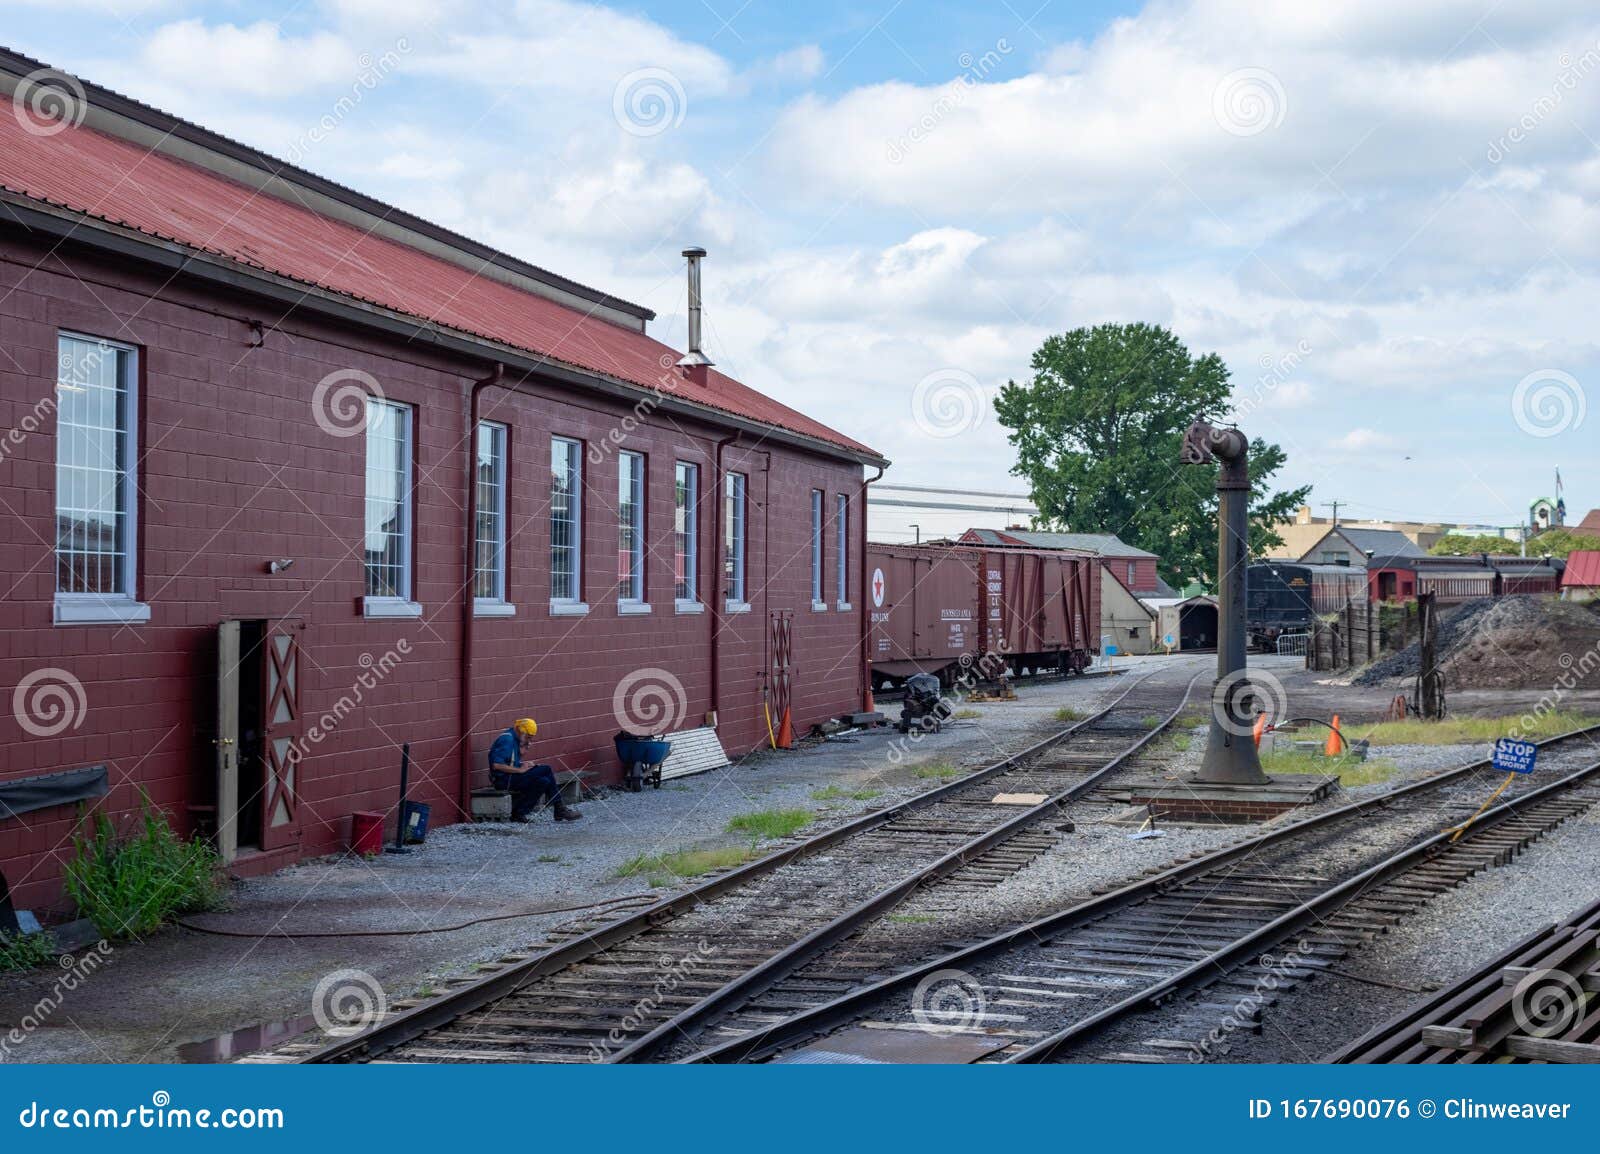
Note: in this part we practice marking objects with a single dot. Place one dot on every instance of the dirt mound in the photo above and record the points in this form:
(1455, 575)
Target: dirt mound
(1502, 643)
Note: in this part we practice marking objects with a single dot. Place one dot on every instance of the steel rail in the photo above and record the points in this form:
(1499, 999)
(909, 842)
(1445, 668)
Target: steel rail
(847, 1007)
(436, 1012)
(761, 977)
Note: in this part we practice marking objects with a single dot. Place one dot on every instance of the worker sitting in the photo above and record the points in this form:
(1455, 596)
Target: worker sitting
(530, 786)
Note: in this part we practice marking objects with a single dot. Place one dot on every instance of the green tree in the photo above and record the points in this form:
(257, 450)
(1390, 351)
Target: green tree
(1552, 542)
(1098, 432)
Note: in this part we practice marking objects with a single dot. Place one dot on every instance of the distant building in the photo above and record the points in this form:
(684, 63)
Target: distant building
(1547, 514)
(1134, 567)
(1125, 621)
(1304, 531)
(1349, 545)
(1590, 525)
(1581, 581)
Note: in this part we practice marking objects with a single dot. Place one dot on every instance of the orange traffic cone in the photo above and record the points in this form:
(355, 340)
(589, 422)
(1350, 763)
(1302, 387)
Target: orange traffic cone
(786, 732)
(1335, 745)
(1260, 728)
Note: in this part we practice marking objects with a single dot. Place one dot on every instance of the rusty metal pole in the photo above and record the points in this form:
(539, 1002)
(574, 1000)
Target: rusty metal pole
(1230, 757)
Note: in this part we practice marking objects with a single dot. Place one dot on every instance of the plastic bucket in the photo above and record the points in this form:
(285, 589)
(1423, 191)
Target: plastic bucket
(366, 834)
(415, 822)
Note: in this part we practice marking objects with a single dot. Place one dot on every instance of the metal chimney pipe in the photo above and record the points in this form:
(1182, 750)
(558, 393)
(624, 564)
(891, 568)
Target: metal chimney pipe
(695, 358)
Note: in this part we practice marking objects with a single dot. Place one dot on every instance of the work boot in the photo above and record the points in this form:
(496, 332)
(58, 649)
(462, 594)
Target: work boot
(566, 813)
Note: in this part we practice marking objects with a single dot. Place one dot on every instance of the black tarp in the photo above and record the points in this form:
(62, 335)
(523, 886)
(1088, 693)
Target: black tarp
(30, 793)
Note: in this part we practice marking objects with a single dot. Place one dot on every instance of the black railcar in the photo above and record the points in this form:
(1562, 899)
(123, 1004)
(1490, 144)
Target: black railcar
(1285, 596)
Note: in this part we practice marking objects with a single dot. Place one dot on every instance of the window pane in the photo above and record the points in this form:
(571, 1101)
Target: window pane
(816, 545)
(842, 548)
(94, 464)
(733, 545)
(630, 527)
(565, 519)
(685, 532)
(388, 500)
(489, 573)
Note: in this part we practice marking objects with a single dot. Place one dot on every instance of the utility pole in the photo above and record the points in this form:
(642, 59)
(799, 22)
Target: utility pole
(1334, 505)
(1231, 757)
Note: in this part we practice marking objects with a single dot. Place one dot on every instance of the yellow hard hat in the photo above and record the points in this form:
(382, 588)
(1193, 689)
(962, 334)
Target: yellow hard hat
(526, 726)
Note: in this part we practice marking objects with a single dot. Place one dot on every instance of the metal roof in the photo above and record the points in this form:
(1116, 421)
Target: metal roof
(1583, 569)
(109, 179)
(1100, 544)
(1383, 542)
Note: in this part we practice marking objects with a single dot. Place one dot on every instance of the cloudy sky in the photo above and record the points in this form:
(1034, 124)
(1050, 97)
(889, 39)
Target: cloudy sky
(1383, 216)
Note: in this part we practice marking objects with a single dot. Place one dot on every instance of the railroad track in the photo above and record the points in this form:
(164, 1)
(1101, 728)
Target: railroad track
(1533, 1003)
(1047, 991)
(621, 989)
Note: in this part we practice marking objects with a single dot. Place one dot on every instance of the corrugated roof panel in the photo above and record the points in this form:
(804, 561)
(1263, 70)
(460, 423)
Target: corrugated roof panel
(117, 181)
(1583, 569)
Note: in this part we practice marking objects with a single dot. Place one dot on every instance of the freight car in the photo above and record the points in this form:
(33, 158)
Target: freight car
(946, 609)
(1285, 596)
(1453, 580)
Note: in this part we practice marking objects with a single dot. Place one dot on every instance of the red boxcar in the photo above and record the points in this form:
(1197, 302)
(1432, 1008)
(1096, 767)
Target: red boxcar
(934, 605)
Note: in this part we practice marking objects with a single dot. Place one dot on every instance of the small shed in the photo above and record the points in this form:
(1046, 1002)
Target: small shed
(1125, 621)
(1191, 622)
(1581, 581)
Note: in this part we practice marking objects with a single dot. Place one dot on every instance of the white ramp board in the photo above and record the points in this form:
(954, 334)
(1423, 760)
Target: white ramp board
(693, 751)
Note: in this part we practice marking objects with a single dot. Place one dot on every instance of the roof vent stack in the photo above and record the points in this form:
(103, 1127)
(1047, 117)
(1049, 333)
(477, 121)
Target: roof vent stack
(695, 362)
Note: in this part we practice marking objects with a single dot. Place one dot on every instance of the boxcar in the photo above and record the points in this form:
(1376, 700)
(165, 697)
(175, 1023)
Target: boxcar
(1284, 596)
(940, 609)
(1451, 585)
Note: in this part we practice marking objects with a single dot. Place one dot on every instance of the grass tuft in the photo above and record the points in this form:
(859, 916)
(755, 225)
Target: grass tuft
(839, 793)
(1351, 771)
(549, 857)
(1454, 730)
(25, 951)
(1067, 713)
(938, 771)
(1150, 721)
(131, 885)
(661, 868)
(967, 714)
(770, 822)
(912, 919)
(1182, 741)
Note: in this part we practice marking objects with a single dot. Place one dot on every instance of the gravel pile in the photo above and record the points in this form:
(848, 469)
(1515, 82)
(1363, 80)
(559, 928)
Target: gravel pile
(1500, 643)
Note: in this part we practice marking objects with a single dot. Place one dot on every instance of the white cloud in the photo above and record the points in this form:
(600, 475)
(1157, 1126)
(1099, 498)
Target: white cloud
(1359, 440)
(257, 59)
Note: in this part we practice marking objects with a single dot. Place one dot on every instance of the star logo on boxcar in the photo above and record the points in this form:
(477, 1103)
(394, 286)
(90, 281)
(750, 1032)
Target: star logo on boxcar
(877, 588)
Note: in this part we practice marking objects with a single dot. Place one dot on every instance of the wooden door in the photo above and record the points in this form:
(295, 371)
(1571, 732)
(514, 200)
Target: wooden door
(227, 740)
(282, 730)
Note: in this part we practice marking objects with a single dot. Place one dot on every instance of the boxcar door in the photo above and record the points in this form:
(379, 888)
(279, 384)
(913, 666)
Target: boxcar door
(281, 731)
(227, 740)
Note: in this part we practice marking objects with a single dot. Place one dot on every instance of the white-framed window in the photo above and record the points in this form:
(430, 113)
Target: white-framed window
(489, 536)
(387, 537)
(97, 409)
(733, 521)
(686, 535)
(816, 550)
(566, 525)
(1132, 569)
(630, 529)
(841, 561)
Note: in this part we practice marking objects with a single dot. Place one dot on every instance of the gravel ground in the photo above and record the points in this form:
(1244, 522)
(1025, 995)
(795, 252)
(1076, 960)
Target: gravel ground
(180, 986)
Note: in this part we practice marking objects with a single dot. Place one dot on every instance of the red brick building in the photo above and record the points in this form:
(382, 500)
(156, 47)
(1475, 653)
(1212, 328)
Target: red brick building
(241, 408)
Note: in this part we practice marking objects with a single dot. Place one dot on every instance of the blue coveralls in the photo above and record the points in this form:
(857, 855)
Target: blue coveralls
(529, 789)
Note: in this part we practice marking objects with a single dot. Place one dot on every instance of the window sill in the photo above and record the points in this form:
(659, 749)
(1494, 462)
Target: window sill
(633, 608)
(819, 607)
(87, 609)
(688, 607)
(569, 609)
(732, 606)
(843, 607)
(485, 608)
(385, 607)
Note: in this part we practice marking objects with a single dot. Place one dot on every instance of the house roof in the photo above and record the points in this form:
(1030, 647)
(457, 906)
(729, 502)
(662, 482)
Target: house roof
(1590, 523)
(1381, 542)
(114, 181)
(1583, 569)
(1100, 544)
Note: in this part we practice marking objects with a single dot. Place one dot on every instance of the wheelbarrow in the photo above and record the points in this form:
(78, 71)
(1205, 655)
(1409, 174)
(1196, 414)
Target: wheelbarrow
(641, 759)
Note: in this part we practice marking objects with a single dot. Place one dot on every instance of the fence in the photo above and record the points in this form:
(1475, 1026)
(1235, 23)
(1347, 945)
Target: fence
(1293, 644)
(1353, 636)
